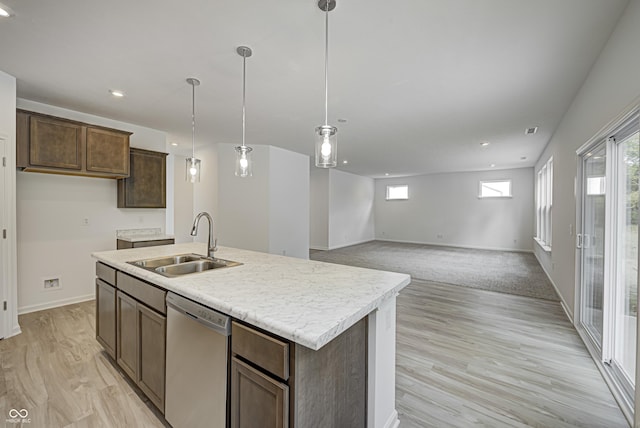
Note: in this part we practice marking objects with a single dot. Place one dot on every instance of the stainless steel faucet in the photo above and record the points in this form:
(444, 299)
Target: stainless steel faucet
(194, 230)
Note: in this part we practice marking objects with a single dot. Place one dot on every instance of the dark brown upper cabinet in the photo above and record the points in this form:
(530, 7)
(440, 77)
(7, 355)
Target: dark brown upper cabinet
(146, 186)
(61, 146)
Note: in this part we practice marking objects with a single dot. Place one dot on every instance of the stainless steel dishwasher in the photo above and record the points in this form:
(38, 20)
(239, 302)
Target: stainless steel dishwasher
(197, 365)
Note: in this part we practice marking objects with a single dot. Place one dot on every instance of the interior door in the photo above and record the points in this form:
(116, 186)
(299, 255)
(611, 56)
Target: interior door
(591, 241)
(4, 242)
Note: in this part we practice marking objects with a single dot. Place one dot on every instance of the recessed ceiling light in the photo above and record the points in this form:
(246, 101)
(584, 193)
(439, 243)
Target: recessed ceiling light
(174, 144)
(5, 12)
(386, 173)
(523, 158)
(485, 143)
(344, 162)
(493, 165)
(531, 131)
(116, 93)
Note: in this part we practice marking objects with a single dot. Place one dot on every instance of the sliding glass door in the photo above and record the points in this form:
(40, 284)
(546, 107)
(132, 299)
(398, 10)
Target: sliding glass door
(623, 357)
(591, 240)
(608, 245)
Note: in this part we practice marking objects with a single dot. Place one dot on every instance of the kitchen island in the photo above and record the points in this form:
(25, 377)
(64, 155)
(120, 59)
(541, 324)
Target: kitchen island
(305, 302)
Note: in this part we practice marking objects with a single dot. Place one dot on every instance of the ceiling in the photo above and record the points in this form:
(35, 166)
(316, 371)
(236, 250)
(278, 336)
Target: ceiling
(420, 83)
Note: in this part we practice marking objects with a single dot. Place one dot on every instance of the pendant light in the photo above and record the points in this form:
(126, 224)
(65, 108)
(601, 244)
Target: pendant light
(193, 164)
(243, 152)
(326, 138)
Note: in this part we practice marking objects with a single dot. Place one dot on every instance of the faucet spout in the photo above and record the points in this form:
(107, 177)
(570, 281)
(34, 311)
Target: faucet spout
(211, 242)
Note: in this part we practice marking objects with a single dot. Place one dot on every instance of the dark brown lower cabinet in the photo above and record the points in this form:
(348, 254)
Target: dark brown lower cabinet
(106, 316)
(141, 346)
(257, 400)
(277, 383)
(152, 328)
(127, 355)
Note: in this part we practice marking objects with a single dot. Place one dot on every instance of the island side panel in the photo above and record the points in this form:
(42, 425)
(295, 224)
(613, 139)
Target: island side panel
(381, 401)
(331, 383)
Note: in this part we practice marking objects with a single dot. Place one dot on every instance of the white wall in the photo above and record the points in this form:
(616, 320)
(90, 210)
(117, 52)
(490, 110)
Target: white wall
(444, 209)
(319, 209)
(51, 211)
(8, 250)
(351, 218)
(205, 193)
(243, 203)
(269, 211)
(341, 209)
(288, 203)
(611, 86)
(182, 202)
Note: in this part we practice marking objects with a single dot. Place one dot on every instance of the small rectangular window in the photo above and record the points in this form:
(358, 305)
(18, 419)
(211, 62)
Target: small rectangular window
(495, 189)
(397, 192)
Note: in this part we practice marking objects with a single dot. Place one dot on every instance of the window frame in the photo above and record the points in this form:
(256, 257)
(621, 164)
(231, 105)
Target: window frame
(503, 180)
(544, 205)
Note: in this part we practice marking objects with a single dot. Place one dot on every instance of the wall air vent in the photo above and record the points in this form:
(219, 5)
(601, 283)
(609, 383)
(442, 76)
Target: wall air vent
(531, 131)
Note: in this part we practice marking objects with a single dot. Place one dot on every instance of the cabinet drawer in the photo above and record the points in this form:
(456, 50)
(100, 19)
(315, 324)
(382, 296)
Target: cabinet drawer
(263, 350)
(146, 293)
(106, 273)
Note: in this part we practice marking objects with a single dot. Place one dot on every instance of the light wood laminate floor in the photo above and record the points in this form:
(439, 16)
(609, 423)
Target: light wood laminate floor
(58, 372)
(465, 357)
(468, 357)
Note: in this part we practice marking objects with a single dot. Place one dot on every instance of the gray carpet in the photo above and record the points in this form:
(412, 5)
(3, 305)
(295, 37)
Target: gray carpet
(503, 271)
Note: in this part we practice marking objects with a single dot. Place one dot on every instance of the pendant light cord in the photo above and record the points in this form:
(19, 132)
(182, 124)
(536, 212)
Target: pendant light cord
(326, 65)
(244, 84)
(193, 119)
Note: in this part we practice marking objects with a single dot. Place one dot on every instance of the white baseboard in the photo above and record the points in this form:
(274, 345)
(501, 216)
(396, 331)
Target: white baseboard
(318, 247)
(55, 304)
(335, 247)
(14, 331)
(563, 303)
(393, 421)
(471, 247)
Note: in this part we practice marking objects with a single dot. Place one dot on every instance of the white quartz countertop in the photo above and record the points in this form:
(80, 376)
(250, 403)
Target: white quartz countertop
(305, 301)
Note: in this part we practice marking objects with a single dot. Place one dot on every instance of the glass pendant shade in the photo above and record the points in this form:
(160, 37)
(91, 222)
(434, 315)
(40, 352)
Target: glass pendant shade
(243, 161)
(193, 170)
(326, 146)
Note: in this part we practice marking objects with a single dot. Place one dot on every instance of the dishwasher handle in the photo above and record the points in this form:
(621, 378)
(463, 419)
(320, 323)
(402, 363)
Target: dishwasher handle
(208, 317)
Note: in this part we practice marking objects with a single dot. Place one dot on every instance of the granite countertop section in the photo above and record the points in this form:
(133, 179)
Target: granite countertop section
(305, 301)
(139, 235)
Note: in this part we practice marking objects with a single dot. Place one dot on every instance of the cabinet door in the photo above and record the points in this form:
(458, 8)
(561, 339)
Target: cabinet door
(152, 354)
(107, 151)
(257, 400)
(106, 316)
(146, 185)
(127, 335)
(55, 143)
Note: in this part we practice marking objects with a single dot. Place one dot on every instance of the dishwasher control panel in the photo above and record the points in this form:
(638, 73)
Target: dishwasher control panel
(200, 313)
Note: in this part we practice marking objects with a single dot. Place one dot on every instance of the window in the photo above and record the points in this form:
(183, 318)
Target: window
(495, 189)
(544, 203)
(397, 192)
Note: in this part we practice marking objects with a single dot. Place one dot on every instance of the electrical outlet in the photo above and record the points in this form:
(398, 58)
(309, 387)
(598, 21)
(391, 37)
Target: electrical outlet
(85, 221)
(51, 283)
(439, 236)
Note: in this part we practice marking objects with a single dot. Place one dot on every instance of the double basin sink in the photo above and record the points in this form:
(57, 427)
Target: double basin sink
(182, 264)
